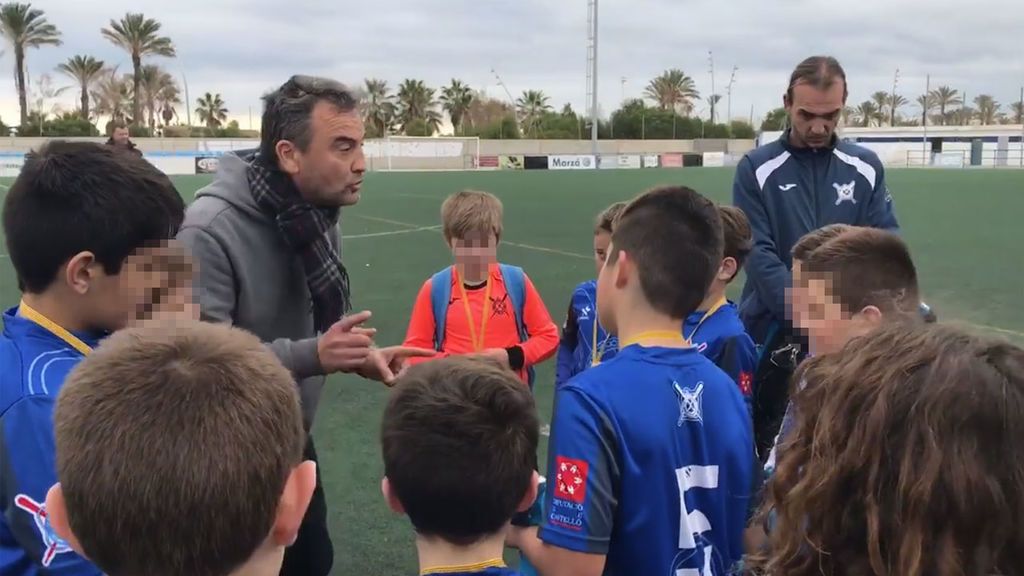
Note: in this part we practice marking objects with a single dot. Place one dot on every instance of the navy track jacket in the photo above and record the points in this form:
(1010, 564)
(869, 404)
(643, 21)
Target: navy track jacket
(787, 192)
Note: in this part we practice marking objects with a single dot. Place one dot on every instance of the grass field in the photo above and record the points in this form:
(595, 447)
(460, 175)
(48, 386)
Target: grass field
(963, 226)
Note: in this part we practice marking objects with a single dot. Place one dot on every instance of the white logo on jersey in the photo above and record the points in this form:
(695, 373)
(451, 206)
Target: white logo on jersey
(585, 313)
(52, 544)
(690, 400)
(786, 187)
(844, 192)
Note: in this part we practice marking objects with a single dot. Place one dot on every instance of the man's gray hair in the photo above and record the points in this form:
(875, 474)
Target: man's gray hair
(288, 111)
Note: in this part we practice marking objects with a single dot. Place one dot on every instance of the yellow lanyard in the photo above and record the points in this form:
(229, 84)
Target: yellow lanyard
(644, 337)
(595, 355)
(478, 346)
(479, 566)
(30, 313)
(711, 312)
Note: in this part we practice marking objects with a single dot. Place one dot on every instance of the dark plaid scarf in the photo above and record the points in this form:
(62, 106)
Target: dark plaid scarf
(306, 229)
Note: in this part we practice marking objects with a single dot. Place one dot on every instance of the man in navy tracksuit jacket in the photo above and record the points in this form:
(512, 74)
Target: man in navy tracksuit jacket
(787, 192)
(803, 181)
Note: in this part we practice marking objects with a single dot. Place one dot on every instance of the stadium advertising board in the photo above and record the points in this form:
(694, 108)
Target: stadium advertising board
(488, 162)
(607, 162)
(671, 160)
(714, 159)
(535, 162)
(650, 161)
(206, 164)
(511, 162)
(572, 162)
(629, 161)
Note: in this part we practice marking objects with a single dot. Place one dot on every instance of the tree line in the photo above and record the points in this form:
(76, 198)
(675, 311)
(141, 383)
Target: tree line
(148, 98)
(943, 106)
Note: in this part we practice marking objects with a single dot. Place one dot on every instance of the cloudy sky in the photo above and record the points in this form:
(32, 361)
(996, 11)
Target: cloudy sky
(241, 48)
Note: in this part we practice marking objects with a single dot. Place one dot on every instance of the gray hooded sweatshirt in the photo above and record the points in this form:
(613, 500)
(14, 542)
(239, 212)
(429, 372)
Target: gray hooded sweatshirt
(248, 277)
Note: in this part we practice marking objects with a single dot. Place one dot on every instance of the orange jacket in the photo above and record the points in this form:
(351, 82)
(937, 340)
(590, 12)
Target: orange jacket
(499, 330)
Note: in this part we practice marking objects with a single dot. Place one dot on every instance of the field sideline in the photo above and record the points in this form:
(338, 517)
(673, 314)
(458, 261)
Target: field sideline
(964, 227)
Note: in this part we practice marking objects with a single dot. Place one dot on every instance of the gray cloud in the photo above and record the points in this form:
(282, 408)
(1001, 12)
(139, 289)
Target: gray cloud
(242, 48)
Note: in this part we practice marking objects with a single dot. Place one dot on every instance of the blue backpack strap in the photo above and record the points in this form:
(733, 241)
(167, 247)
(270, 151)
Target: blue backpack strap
(515, 285)
(440, 295)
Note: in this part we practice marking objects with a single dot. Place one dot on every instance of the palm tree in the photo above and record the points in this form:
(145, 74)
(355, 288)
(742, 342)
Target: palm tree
(433, 121)
(111, 95)
(140, 37)
(927, 104)
(867, 113)
(211, 110)
(456, 99)
(25, 27)
(531, 106)
(673, 90)
(945, 97)
(988, 109)
(713, 100)
(158, 90)
(848, 113)
(85, 70)
(378, 106)
(881, 101)
(1018, 112)
(894, 102)
(414, 100)
(167, 99)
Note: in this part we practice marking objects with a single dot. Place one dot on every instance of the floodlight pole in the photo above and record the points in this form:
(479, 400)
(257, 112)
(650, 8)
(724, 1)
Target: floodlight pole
(1022, 127)
(924, 138)
(593, 79)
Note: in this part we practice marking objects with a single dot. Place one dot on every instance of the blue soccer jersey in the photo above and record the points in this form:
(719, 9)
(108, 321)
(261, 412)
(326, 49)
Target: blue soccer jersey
(722, 338)
(651, 464)
(581, 333)
(35, 363)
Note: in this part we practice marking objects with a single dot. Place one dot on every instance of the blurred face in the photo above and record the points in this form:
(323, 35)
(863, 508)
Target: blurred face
(476, 251)
(139, 291)
(120, 136)
(330, 171)
(601, 242)
(609, 284)
(814, 113)
(818, 313)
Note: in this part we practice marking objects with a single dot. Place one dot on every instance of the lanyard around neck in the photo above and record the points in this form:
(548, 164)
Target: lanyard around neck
(645, 338)
(478, 344)
(711, 312)
(464, 568)
(30, 313)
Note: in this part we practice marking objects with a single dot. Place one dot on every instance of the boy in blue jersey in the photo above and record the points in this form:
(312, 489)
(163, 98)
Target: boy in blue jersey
(715, 327)
(585, 342)
(650, 458)
(459, 440)
(81, 223)
(180, 451)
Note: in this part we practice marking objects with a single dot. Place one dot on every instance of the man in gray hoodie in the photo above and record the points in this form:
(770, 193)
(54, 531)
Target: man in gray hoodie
(265, 237)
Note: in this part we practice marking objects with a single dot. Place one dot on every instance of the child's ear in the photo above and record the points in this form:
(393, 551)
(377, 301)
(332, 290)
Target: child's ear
(623, 269)
(389, 496)
(531, 494)
(871, 315)
(78, 274)
(291, 508)
(728, 269)
(57, 514)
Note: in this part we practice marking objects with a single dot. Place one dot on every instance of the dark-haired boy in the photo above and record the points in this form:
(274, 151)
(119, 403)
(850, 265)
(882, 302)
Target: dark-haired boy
(715, 327)
(459, 439)
(650, 459)
(81, 224)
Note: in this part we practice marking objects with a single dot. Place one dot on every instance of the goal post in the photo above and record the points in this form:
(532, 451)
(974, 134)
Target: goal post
(423, 153)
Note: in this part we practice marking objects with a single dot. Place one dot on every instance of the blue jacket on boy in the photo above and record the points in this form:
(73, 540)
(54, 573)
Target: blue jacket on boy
(35, 363)
(581, 334)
